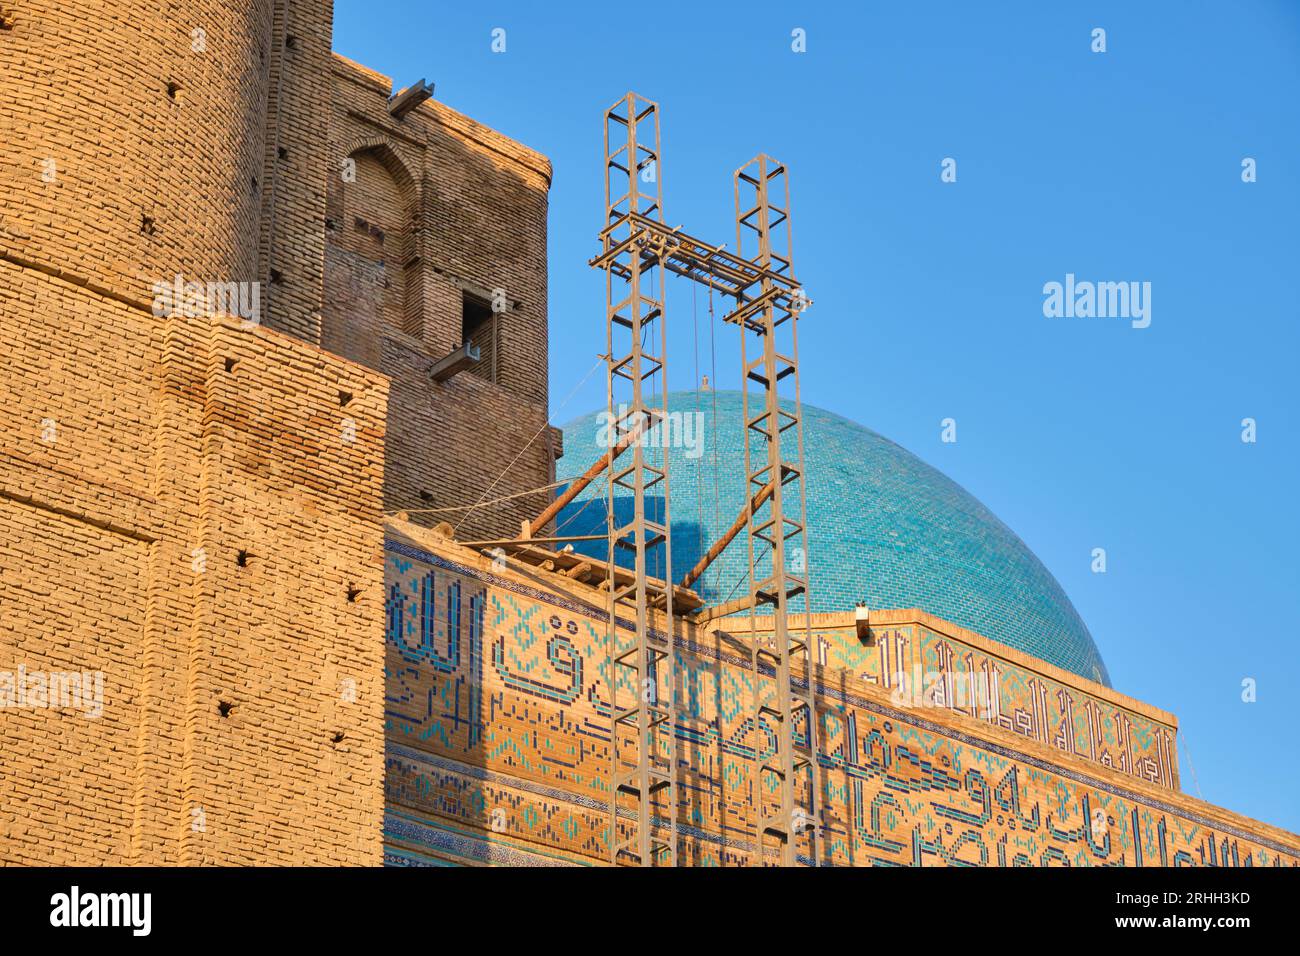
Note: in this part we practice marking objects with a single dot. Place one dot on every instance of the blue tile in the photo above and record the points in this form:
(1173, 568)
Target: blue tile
(886, 528)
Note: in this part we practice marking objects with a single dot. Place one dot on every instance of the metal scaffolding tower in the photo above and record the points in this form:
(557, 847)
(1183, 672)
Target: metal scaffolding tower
(643, 735)
(768, 323)
(638, 249)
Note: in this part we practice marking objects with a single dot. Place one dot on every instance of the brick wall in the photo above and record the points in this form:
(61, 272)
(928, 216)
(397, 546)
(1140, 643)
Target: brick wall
(241, 705)
(191, 507)
(131, 146)
(291, 233)
(462, 209)
(215, 155)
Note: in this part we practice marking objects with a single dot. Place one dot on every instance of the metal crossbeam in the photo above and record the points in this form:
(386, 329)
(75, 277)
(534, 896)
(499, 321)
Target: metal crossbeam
(643, 751)
(741, 279)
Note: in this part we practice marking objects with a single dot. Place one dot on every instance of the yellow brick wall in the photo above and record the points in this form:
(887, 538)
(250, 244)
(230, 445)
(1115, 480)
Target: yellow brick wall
(74, 601)
(242, 703)
(177, 444)
(295, 126)
(85, 86)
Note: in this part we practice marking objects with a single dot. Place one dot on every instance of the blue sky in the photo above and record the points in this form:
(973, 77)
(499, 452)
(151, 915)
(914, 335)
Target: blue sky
(1119, 166)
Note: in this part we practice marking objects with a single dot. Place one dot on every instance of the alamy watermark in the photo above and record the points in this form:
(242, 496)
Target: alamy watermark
(53, 690)
(1103, 300)
(675, 430)
(75, 908)
(191, 299)
(973, 692)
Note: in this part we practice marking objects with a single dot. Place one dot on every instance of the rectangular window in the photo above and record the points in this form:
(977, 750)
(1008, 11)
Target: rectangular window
(479, 327)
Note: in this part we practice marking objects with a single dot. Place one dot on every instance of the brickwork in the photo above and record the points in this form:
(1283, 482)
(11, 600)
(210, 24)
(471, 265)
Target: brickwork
(127, 154)
(369, 249)
(142, 456)
(214, 154)
(498, 748)
(461, 209)
(72, 801)
(296, 121)
(481, 224)
(241, 702)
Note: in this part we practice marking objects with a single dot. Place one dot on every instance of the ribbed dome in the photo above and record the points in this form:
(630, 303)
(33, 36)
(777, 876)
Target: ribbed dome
(886, 528)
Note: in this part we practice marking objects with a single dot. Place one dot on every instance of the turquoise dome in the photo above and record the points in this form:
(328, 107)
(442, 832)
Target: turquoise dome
(886, 529)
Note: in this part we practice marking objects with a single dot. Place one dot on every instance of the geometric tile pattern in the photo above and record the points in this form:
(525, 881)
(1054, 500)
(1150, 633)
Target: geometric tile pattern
(498, 749)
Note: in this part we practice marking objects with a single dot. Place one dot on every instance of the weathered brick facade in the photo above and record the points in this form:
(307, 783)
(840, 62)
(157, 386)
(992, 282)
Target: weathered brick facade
(191, 509)
(462, 212)
(191, 505)
(127, 153)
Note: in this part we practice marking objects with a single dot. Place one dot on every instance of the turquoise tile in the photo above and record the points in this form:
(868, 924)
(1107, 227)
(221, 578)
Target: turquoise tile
(886, 528)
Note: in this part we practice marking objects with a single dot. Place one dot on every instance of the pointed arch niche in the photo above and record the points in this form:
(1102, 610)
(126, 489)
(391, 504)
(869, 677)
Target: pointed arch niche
(372, 263)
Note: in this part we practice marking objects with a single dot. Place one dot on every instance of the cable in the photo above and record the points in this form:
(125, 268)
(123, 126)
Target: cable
(740, 579)
(717, 488)
(546, 424)
(595, 497)
(699, 418)
(520, 494)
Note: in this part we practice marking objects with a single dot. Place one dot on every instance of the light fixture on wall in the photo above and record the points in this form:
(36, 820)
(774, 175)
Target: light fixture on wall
(862, 623)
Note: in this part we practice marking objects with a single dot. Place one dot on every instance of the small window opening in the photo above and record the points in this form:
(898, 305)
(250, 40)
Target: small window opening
(479, 328)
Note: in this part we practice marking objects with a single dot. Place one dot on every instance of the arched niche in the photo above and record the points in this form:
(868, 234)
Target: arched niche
(372, 264)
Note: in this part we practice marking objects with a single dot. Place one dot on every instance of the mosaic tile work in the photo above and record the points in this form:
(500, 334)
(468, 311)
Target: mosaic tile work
(886, 528)
(498, 749)
(922, 667)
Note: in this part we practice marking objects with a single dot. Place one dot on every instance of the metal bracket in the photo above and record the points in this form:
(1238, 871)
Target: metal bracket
(399, 104)
(457, 361)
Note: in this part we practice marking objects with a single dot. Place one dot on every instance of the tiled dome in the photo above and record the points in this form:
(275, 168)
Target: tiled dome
(886, 529)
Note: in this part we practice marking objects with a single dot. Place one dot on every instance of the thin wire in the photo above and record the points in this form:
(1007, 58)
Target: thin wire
(521, 494)
(595, 497)
(546, 424)
(699, 417)
(716, 570)
(740, 580)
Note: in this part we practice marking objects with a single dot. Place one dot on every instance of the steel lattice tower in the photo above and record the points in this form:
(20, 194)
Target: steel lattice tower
(643, 729)
(638, 249)
(774, 463)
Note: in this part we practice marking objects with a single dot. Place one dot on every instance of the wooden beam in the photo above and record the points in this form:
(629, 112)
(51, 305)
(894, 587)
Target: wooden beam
(604, 461)
(579, 571)
(721, 544)
(589, 571)
(706, 614)
(521, 542)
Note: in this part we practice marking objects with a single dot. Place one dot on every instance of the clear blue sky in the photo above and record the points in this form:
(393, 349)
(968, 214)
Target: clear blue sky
(1079, 433)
